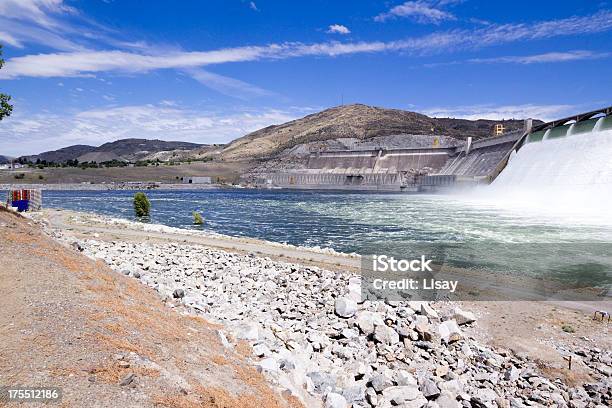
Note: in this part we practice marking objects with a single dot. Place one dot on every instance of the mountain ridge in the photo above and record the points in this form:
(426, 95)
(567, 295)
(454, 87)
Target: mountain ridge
(130, 149)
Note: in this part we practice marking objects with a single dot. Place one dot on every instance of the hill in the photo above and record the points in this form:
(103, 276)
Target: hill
(4, 159)
(125, 149)
(61, 155)
(355, 121)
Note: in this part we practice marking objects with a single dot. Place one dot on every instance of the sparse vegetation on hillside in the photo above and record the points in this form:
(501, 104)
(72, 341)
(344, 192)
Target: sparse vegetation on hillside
(354, 121)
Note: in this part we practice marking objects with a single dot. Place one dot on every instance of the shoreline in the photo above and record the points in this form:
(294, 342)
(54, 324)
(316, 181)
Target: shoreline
(129, 248)
(129, 186)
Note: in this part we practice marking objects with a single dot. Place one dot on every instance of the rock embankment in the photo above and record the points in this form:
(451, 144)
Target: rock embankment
(313, 336)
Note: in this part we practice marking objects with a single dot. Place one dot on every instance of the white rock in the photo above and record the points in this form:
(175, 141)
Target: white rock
(269, 364)
(345, 307)
(428, 311)
(261, 350)
(334, 400)
(463, 317)
(449, 331)
(386, 335)
(400, 394)
(367, 321)
(403, 377)
(247, 331)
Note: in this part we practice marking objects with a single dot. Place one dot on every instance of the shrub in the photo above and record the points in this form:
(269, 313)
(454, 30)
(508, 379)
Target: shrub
(41, 177)
(197, 218)
(142, 206)
(20, 176)
(567, 328)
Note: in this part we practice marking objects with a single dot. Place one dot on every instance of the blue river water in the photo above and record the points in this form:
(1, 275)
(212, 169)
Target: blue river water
(474, 233)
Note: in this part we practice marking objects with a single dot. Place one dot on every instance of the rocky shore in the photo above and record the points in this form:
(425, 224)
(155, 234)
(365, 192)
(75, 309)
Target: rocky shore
(314, 338)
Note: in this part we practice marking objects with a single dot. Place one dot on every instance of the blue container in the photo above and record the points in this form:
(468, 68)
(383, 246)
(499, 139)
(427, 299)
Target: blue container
(22, 205)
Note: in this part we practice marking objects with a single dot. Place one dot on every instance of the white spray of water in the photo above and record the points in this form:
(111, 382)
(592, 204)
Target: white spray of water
(568, 177)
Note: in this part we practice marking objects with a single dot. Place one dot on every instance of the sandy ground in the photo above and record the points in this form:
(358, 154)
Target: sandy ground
(73, 323)
(227, 171)
(531, 329)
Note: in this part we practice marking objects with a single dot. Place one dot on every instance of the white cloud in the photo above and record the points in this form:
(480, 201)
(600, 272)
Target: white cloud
(37, 11)
(421, 11)
(227, 86)
(474, 112)
(338, 29)
(9, 39)
(253, 6)
(89, 62)
(544, 58)
(549, 57)
(25, 133)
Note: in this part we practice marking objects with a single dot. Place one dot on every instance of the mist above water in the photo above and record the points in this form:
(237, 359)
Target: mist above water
(563, 173)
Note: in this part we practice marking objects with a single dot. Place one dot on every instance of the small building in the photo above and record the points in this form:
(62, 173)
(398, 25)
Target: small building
(499, 129)
(24, 200)
(196, 180)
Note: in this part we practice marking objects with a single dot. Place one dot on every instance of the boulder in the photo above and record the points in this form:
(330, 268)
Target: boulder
(400, 394)
(345, 307)
(386, 335)
(449, 331)
(333, 400)
(463, 317)
(367, 321)
(428, 311)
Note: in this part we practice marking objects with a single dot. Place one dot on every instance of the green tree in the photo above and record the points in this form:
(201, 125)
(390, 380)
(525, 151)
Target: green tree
(197, 218)
(142, 206)
(5, 107)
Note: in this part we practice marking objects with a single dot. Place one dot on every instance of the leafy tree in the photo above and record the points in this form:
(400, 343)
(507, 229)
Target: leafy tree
(197, 218)
(142, 206)
(5, 107)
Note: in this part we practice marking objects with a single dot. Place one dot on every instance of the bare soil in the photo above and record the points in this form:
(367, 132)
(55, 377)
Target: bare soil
(73, 323)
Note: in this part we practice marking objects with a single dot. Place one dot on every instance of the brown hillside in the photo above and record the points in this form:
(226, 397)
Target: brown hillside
(353, 121)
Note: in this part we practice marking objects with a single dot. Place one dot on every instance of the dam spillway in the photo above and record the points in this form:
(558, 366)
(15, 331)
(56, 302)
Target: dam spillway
(576, 156)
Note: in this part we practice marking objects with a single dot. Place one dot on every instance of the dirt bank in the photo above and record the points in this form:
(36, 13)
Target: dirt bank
(70, 322)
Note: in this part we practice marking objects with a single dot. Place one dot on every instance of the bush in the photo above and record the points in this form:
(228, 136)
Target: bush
(197, 218)
(142, 206)
(20, 176)
(41, 177)
(567, 328)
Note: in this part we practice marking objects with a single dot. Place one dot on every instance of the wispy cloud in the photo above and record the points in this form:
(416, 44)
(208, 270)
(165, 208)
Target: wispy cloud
(338, 29)
(10, 39)
(253, 6)
(90, 62)
(544, 58)
(474, 112)
(227, 86)
(421, 11)
(28, 133)
(549, 57)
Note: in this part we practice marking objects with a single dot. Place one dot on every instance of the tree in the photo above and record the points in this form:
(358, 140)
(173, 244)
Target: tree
(5, 107)
(142, 206)
(197, 218)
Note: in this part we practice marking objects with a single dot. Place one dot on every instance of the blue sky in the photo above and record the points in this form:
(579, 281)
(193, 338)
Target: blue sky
(93, 71)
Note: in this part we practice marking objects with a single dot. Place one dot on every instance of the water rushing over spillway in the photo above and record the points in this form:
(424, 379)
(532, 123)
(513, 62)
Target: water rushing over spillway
(581, 161)
(565, 170)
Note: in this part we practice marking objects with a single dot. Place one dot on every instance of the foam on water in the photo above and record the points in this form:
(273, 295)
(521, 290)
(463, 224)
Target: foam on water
(565, 175)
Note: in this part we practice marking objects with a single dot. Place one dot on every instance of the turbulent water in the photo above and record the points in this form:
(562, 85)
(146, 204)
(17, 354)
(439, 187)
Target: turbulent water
(470, 233)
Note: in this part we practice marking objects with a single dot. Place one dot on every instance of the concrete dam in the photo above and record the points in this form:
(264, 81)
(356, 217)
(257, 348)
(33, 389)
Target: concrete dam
(438, 166)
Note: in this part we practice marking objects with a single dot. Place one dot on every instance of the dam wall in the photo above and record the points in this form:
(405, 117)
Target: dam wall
(406, 169)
